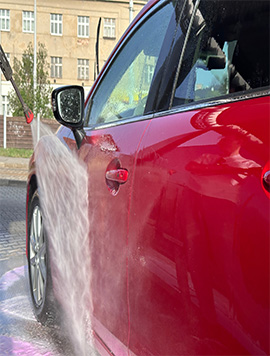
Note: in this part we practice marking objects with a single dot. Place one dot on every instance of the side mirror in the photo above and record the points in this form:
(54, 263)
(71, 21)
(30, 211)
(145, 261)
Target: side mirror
(68, 109)
(68, 106)
(214, 56)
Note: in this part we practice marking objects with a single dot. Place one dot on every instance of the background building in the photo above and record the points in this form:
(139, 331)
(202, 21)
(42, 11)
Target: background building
(68, 29)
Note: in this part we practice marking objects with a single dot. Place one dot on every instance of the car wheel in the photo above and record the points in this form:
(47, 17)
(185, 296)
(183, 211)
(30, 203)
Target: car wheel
(38, 264)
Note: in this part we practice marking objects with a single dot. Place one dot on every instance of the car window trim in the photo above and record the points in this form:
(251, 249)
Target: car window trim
(119, 122)
(232, 98)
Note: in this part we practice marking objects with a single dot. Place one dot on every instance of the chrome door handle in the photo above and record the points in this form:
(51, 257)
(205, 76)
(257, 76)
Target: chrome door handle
(117, 175)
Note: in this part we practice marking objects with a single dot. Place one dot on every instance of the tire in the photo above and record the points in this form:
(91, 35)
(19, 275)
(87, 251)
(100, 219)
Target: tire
(40, 279)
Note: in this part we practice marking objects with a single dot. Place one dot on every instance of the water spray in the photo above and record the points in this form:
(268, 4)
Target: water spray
(7, 71)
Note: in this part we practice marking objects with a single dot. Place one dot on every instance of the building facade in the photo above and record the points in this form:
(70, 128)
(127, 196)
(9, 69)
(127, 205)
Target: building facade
(68, 28)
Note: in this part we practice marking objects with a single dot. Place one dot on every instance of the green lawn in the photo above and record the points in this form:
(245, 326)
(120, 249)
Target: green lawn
(15, 152)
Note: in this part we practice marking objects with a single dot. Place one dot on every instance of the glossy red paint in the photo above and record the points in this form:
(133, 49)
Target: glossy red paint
(105, 150)
(199, 234)
(180, 251)
(187, 239)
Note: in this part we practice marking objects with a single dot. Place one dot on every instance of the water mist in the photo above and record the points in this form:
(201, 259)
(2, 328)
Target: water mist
(63, 189)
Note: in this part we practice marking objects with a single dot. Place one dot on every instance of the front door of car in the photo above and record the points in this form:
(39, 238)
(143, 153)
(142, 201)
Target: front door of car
(114, 126)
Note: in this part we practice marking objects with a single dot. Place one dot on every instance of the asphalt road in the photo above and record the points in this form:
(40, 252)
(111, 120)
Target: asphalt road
(20, 333)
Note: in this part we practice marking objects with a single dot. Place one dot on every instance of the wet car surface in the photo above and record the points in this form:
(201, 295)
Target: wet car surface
(171, 200)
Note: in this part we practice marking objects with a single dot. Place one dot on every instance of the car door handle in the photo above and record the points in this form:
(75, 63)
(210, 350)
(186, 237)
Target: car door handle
(117, 175)
(266, 180)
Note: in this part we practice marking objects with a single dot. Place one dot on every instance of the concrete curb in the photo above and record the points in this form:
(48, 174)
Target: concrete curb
(13, 162)
(12, 183)
(13, 171)
(13, 165)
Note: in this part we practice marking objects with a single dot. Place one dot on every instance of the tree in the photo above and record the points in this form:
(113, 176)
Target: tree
(39, 100)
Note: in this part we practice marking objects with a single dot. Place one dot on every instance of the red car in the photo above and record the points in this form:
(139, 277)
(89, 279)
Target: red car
(174, 135)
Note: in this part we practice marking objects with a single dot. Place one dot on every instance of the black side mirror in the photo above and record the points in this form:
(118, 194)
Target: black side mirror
(213, 55)
(68, 105)
(68, 109)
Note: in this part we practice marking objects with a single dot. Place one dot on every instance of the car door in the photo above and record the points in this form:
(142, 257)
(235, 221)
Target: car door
(199, 221)
(114, 125)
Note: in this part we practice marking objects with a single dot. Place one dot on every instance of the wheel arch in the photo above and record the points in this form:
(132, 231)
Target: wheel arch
(31, 188)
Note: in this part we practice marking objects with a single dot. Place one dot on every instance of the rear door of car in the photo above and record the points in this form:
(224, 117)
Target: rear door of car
(199, 215)
(115, 123)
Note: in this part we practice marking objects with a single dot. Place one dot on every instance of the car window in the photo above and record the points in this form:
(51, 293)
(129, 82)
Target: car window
(123, 91)
(166, 69)
(229, 53)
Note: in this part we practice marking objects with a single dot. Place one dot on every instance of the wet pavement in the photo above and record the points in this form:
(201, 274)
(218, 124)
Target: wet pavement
(20, 333)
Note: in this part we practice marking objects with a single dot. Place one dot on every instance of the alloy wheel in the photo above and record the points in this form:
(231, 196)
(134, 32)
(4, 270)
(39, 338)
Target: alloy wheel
(38, 257)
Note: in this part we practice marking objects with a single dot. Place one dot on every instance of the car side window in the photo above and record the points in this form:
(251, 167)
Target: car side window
(124, 89)
(230, 52)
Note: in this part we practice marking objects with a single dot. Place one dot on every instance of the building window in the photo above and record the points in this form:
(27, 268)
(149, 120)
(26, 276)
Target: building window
(56, 24)
(56, 67)
(83, 26)
(4, 20)
(5, 105)
(83, 69)
(28, 21)
(109, 28)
